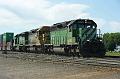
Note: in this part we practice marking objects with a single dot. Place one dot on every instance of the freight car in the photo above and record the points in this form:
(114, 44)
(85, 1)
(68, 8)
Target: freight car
(6, 41)
(1, 41)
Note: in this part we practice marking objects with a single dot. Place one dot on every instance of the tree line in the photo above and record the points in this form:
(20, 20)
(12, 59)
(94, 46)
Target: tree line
(111, 40)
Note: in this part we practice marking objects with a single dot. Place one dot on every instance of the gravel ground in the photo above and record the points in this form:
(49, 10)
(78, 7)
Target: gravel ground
(14, 68)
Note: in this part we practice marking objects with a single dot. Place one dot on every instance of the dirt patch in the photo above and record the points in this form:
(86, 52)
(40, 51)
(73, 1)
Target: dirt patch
(14, 68)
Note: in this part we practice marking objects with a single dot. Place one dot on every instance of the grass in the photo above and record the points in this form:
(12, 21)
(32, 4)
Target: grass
(112, 53)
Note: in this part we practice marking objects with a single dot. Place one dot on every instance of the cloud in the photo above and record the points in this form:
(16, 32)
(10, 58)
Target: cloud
(37, 9)
(22, 15)
(10, 22)
(27, 9)
(64, 11)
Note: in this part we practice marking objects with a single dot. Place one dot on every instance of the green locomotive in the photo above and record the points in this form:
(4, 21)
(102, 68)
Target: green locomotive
(20, 41)
(77, 37)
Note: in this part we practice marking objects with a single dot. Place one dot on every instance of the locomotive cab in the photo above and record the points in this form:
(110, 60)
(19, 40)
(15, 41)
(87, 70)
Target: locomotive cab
(85, 34)
(84, 30)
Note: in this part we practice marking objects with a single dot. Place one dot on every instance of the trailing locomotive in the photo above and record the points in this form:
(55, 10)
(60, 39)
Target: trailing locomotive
(75, 37)
(32, 41)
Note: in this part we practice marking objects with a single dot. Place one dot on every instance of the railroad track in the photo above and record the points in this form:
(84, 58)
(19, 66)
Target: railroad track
(106, 62)
(91, 61)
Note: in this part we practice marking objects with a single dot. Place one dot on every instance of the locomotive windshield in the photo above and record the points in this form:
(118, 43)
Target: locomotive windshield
(83, 24)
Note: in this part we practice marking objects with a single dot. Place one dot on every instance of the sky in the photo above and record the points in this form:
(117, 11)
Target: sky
(23, 15)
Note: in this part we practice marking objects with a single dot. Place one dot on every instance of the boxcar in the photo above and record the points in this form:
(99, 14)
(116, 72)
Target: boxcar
(7, 41)
(1, 41)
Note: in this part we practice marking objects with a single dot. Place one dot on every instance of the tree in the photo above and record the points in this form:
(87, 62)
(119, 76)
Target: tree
(111, 40)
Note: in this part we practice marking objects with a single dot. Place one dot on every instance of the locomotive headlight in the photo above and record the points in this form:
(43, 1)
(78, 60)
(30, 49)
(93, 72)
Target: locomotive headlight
(101, 40)
(88, 40)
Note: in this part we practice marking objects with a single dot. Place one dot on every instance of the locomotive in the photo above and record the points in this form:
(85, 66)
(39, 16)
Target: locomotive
(74, 38)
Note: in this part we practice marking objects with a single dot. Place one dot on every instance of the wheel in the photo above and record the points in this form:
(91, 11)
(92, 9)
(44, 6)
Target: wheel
(86, 50)
(67, 51)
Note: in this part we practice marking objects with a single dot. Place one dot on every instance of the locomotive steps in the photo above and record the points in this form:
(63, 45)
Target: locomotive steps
(104, 62)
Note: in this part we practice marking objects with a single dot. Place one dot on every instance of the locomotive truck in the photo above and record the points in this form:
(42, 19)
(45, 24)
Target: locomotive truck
(75, 37)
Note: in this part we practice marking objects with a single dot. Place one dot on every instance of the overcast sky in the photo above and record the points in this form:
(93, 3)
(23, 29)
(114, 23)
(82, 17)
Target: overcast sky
(22, 15)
